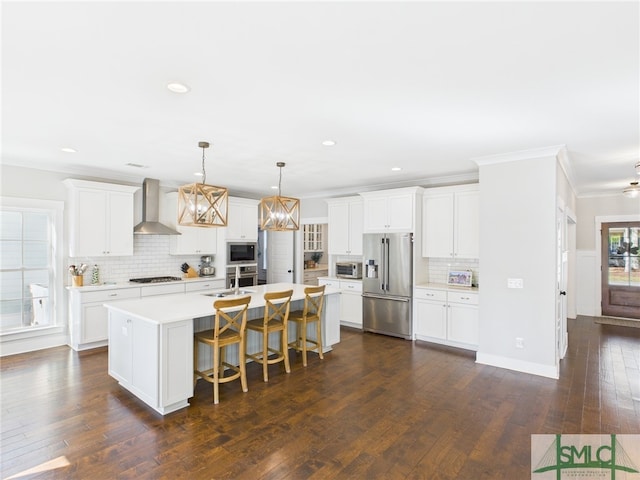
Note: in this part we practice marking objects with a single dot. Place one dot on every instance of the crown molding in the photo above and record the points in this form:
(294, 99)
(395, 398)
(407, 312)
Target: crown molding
(552, 151)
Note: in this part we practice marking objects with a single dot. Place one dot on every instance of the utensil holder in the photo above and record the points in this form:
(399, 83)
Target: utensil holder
(78, 280)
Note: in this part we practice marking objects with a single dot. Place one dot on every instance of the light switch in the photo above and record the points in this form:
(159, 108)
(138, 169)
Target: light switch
(515, 283)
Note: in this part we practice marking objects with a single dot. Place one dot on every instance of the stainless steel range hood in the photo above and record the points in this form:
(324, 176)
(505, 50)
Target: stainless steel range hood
(150, 224)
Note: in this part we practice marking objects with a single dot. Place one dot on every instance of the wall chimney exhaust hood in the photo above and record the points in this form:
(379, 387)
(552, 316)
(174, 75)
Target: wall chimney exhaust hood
(150, 224)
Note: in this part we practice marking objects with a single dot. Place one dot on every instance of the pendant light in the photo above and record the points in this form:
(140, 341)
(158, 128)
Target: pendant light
(202, 205)
(632, 191)
(280, 213)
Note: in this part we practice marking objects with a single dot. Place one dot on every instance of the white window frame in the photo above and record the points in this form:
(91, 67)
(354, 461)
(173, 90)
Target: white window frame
(36, 337)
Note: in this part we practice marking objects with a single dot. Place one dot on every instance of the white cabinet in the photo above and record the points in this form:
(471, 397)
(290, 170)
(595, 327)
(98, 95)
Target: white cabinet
(163, 289)
(447, 317)
(199, 286)
(100, 219)
(193, 240)
(450, 222)
(154, 362)
(242, 224)
(345, 226)
(350, 300)
(313, 237)
(89, 316)
(391, 210)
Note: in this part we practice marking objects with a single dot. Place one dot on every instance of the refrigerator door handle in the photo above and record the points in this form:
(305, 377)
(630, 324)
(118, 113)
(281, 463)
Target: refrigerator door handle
(386, 297)
(382, 265)
(386, 265)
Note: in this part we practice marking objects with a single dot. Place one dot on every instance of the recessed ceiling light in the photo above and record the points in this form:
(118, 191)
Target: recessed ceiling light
(396, 169)
(69, 150)
(329, 143)
(274, 187)
(177, 87)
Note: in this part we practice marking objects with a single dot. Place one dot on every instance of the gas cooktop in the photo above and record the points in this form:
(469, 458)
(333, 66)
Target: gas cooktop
(154, 279)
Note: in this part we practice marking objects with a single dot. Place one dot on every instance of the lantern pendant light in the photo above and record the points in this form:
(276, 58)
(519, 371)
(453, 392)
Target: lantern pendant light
(280, 213)
(202, 205)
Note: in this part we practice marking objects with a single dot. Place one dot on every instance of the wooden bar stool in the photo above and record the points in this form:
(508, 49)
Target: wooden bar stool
(228, 329)
(312, 312)
(276, 312)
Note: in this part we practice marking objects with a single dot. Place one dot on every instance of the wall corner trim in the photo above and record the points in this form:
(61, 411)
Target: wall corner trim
(549, 371)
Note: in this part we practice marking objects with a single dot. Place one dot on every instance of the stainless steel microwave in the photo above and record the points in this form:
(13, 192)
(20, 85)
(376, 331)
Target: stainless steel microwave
(242, 252)
(349, 269)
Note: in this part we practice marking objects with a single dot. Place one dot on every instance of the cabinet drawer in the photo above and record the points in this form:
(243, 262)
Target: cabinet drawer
(108, 295)
(436, 295)
(162, 289)
(351, 286)
(463, 297)
(197, 286)
(329, 283)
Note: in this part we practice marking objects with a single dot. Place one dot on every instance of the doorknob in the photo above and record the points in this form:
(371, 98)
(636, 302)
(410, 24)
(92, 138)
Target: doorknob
(288, 271)
(562, 292)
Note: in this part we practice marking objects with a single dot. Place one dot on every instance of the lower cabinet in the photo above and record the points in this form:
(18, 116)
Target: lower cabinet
(89, 316)
(154, 362)
(350, 300)
(447, 317)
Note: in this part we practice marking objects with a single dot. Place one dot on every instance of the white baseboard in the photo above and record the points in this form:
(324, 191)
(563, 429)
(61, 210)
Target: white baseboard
(539, 369)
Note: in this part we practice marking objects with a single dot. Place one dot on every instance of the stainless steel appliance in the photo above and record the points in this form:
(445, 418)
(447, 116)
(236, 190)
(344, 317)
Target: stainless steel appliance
(247, 275)
(387, 283)
(154, 279)
(349, 269)
(242, 252)
(206, 269)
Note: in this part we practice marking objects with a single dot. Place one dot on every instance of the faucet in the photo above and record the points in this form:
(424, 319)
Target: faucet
(237, 289)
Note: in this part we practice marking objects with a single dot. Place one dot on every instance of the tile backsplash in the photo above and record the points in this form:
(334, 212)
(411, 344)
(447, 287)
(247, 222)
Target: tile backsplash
(440, 267)
(150, 259)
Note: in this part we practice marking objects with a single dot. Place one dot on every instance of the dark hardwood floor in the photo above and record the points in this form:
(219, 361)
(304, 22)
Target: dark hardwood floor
(375, 407)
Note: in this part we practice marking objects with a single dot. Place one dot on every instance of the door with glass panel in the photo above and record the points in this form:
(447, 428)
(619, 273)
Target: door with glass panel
(621, 269)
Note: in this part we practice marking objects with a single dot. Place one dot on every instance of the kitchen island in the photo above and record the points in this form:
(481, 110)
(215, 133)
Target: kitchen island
(151, 339)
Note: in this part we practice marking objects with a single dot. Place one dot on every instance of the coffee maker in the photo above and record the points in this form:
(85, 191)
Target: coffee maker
(206, 269)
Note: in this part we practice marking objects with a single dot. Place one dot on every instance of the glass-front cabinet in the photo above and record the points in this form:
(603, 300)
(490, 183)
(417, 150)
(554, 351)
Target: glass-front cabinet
(314, 237)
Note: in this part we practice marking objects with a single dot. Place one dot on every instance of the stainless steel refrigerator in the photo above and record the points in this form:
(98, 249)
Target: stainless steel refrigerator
(387, 283)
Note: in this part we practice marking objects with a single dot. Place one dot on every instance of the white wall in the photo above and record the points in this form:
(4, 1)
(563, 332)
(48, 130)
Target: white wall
(518, 240)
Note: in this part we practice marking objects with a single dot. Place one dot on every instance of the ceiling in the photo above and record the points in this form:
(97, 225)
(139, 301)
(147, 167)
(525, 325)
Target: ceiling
(423, 86)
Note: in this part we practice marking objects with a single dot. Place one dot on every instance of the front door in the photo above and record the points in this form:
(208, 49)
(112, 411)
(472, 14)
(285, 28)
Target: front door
(621, 269)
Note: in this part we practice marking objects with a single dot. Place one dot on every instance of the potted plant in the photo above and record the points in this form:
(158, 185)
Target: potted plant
(316, 256)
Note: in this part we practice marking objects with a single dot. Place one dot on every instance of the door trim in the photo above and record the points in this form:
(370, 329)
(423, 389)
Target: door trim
(599, 220)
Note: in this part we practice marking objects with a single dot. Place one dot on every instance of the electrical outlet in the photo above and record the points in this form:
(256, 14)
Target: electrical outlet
(519, 342)
(515, 283)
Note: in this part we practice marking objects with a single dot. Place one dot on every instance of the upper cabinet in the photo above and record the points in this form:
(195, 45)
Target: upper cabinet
(345, 226)
(242, 224)
(100, 218)
(391, 210)
(193, 240)
(313, 237)
(450, 222)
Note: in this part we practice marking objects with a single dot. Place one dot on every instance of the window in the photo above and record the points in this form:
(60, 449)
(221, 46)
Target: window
(27, 266)
(624, 257)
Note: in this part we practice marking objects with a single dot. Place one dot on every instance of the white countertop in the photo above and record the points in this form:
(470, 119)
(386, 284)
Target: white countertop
(176, 307)
(444, 286)
(114, 285)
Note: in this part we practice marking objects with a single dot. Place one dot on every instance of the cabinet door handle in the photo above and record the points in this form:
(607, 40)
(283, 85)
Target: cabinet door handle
(113, 294)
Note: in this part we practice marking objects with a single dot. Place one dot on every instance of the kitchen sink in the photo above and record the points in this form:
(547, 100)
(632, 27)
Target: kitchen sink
(228, 293)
